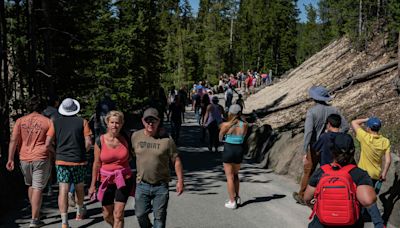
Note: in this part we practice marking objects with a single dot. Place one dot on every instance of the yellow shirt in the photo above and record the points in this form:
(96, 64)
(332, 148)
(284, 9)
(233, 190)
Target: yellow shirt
(373, 148)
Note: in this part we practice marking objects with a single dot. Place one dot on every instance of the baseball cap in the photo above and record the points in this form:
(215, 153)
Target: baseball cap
(215, 99)
(151, 112)
(374, 123)
(235, 109)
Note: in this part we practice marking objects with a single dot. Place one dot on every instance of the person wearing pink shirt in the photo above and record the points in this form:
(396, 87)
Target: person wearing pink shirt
(111, 162)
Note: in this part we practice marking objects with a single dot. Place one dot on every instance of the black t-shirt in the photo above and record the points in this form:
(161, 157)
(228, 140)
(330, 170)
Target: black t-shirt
(176, 112)
(324, 147)
(359, 176)
(197, 98)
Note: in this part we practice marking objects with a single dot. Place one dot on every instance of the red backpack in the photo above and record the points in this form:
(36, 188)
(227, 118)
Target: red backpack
(335, 197)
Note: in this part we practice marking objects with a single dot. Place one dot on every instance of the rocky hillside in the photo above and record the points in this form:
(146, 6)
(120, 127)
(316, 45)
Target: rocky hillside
(283, 105)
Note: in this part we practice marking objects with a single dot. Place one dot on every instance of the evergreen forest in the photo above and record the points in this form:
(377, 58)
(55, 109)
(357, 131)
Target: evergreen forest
(131, 48)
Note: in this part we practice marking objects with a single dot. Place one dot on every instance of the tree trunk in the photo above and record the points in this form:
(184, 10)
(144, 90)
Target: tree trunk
(5, 88)
(378, 8)
(360, 19)
(33, 82)
(48, 61)
(19, 52)
(398, 57)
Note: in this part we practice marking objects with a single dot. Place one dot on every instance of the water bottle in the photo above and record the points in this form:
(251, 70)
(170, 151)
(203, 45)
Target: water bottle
(378, 186)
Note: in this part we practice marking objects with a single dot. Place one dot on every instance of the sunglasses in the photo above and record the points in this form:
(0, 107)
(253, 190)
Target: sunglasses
(150, 120)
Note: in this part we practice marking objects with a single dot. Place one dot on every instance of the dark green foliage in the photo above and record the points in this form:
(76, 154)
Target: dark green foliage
(267, 31)
(131, 48)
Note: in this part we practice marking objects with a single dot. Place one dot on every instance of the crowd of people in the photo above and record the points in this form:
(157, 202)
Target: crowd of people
(58, 138)
(62, 140)
(327, 142)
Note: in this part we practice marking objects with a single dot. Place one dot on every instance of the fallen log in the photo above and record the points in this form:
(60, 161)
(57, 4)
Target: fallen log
(364, 76)
(351, 81)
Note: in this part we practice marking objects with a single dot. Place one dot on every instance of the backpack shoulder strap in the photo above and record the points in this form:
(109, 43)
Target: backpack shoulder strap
(99, 141)
(326, 168)
(348, 168)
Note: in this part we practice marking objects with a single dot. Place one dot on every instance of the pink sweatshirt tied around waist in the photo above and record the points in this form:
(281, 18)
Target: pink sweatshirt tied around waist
(116, 176)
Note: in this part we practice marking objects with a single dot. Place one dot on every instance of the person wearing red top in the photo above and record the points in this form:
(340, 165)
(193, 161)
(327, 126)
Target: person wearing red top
(111, 161)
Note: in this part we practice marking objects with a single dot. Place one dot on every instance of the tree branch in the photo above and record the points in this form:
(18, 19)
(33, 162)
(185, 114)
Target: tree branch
(72, 36)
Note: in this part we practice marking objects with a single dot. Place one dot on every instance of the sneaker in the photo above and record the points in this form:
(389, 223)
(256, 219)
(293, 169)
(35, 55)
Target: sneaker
(238, 200)
(298, 199)
(65, 225)
(231, 205)
(71, 199)
(36, 223)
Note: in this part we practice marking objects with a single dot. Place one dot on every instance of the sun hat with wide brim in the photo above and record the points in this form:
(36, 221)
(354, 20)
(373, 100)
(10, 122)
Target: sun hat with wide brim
(69, 107)
(319, 93)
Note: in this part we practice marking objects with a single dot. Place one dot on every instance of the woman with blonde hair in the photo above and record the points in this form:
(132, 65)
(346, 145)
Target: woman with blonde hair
(233, 133)
(111, 161)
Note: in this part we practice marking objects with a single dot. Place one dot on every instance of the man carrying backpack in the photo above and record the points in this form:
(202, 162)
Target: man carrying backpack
(336, 190)
(314, 126)
(373, 147)
(324, 144)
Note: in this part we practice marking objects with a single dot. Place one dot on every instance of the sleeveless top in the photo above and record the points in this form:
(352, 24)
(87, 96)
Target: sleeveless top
(215, 114)
(235, 139)
(114, 158)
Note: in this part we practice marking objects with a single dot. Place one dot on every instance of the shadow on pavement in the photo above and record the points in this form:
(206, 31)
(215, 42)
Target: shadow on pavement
(389, 198)
(203, 170)
(262, 199)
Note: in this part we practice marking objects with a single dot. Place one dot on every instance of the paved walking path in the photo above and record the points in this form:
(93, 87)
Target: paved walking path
(266, 197)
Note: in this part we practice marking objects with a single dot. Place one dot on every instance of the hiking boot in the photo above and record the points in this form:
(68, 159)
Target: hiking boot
(36, 223)
(231, 204)
(71, 199)
(298, 199)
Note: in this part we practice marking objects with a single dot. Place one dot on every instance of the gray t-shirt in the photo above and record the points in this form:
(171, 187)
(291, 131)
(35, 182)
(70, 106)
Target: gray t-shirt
(153, 155)
(316, 122)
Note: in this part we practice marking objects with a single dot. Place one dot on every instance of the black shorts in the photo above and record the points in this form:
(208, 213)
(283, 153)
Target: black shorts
(112, 194)
(233, 153)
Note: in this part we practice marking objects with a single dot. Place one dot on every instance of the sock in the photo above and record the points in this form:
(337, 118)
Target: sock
(79, 210)
(64, 218)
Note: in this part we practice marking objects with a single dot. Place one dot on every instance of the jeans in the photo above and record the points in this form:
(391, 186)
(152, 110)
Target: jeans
(72, 188)
(145, 195)
(197, 113)
(374, 212)
(376, 217)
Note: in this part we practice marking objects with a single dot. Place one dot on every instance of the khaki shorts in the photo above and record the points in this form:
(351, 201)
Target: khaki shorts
(36, 173)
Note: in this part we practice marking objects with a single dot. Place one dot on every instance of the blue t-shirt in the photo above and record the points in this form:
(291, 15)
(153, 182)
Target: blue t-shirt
(324, 146)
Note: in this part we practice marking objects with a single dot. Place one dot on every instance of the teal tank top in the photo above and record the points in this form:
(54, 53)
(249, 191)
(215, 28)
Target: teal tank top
(235, 139)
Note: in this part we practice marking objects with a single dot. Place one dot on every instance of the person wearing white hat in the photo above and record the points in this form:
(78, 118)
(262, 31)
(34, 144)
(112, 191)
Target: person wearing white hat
(233, 133)
(72, 140)
(314, 126)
